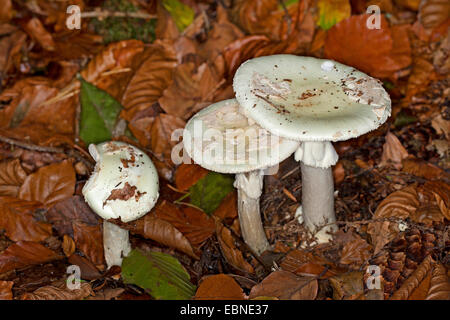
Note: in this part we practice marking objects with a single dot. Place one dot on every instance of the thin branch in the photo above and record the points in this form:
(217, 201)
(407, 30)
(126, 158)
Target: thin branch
(106, 14)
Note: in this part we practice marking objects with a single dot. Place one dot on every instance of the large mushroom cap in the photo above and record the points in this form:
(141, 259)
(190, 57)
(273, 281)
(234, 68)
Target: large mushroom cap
(309, 99)
(220, 138)
(124, 183)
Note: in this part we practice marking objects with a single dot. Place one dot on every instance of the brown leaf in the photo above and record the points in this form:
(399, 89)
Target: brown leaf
(151, 78)
(423, 169)
(187, 175)
(439, 284)
(70, 210)
(60, 293)
(393, 152)
(356, 251)
(37, 31)
(229, 250)
(17, 218)
(11, 48)
(421, 75)
(381, 52)
(399, 204)
(68, 245)
(49, 184)
(152, 227)
(228, 207)
(286, 286)
(347, 286)
(5, 290)
(194, 224)
(12, 176)
(193, 88)
(24, 253)
(432, 13)
(6, 11)
(88, 270)
(110, 70)
(107, 294)
(414, 280)
(302, 262)
(89, 240)
(219, 287)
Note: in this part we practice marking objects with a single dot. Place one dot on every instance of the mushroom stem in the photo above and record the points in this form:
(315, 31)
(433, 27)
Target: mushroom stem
(116, 243)
(249, 186)
(316, 158)
(318, 201)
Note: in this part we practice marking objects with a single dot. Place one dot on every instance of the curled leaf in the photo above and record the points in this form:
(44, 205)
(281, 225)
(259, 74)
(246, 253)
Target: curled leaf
(60, 293)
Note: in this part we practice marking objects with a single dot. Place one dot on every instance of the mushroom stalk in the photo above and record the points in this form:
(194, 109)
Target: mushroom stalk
(249, 186)
(116, 243)
(318, 187)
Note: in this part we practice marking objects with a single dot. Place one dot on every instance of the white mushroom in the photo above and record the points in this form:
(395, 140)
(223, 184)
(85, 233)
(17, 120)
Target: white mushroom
(220, 138)
(326, 101)
(124, 185)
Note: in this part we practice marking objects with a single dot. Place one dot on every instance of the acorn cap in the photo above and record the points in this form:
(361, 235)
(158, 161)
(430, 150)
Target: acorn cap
(309, 99)
(124, 183)
(220, 138)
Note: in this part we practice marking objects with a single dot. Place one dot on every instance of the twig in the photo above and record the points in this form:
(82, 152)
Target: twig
(106, 14)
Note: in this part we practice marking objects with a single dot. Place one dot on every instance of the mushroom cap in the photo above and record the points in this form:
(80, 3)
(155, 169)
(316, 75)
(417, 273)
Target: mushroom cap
(310, 99)
(124, 183)
(220, 138)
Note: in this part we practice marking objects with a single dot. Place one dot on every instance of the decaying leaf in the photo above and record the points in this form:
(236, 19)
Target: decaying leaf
(187, 175)
(433, 12)
(89, 240)
(219, 287)
(393, 152)
(356, 251)
(286, 286)
(60, 293)
(348, 286)
(439, 284)
(5, 290)
(423, 169)
(302, 262)
(12, 176)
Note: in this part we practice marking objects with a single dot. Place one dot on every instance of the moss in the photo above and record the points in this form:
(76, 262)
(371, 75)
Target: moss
(116, 29)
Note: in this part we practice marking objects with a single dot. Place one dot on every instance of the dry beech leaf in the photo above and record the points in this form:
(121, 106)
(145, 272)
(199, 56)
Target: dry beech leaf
(60, 293)
(228, 207)
(432, 13)
(347, 286)
(24, 253)
(152, 76)
(187, 175)
(423, 169)
(219, 287)
(421, 75)
(414, 280)
(192, 89)
(441, 58)
(68, 245)
(50, 184)
(194, 224)
(70, 210)
(107, 294)
(441, 125)
(355, 251)
(110, 69)
(439, 284)
(399, 204)
(5, 290)
(19, 222)
(229, 250)
(11, 48)
(286, 286)
(381, 52)
(37, 31)
(159, 230)
(302, 262)
(6, 11)
(87, 268)
(393, 152)
(89, 240)
(12, 176)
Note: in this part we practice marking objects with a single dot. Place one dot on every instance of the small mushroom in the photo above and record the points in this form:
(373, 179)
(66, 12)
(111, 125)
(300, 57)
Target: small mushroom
(221, 139)
(316, 102)
(124, 185)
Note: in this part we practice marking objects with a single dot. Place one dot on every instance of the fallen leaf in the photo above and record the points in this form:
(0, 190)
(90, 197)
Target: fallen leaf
(423, 169)
(305, 263)
(219, 287)
(60, 293)
(89, 240)
(12, 176)
(37, 31)
(393, 152)
(182, 14)
(421, 75)
(356, 251)
(24, 253)
(68, 245)
(381, 52)
(432, 13)
(5, 290)
(107, 294)
(50, 184)
(228, 207)
(18, 219)
(286, 286)
(6, 11)
(160, 274)
(187, 175)
(332, 12)
(87, 268)
(347, 286)
(439, 284)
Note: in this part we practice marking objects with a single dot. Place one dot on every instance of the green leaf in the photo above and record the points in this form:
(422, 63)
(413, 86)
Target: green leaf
(403, 119)
(99, 113)
(332, 12)
(210, 190)
(182, 14)
(160, 274)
